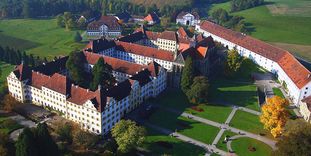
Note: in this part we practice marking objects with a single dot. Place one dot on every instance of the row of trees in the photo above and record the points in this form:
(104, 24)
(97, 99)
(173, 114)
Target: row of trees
(47, 8)
(15, 57)
(195, 88)
(101, 73)
(222, 17)
(237, 5)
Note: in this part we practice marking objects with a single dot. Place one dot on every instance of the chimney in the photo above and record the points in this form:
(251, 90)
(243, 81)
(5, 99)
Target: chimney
(99, 87)
(309, 75)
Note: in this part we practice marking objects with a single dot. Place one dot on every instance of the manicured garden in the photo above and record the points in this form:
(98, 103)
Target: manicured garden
(159, 144)
(214, 112)
(249, 122)
(39, 37)
(250, 147)
(185, 126)
(223, 145)
(234, 93)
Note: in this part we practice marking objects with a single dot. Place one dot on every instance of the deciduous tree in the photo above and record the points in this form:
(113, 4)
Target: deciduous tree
(85, 139)
(77, 37)
(275, 115)
(25, 145)
(233, 63)
(199, 90)
(44, 140)
(75, 65)
(9, 103)
(128, 135)
(102, 74)
(296, 139)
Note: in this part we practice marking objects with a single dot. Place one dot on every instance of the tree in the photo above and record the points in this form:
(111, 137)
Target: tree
(43, 139)
(82, 23)
(60, 21)
(102, 74)
(75, 66)
(9, 103)
(85, 139)
(25, 145)
(233, 63)
(128, 135)
(187, 75)
(77, 37)
(3, 151)
(199, 90)
(275, 115)
(64, 132)
(296, 139)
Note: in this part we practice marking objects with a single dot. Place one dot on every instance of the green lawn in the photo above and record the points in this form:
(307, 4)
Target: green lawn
(218, 113)
(153, 145)
(223, 145)
(278, 92)
(39, 37)
(175, 99)
(185, 126)
(241, 147)
(271, 27)
(235, 93)
(248, 122)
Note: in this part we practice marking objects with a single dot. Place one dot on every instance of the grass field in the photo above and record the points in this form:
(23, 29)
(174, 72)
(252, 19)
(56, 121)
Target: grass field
(39, 37)
(249, 122)
(235, 93)
(9, 127)
(278, 92)
(289, 28)
(223, 145)
(153, 145)
(240, 147)
(185, 126)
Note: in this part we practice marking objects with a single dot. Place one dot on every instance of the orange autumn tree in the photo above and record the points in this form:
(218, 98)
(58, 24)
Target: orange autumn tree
(274, 115)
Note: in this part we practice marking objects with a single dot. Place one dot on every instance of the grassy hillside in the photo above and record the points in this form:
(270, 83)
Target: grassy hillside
(39, 37)
(288, 29)
(161, 3)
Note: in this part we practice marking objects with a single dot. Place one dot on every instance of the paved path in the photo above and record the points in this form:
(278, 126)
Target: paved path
(23, 121)
(267, 141)
(217, 138)
(210, 149)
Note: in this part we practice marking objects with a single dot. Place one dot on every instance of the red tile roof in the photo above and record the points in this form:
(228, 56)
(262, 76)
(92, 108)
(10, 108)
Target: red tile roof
(38, 80)
(145, 51)
(294, 69)
(168, 35)
(181, 32)
(58, 83)
(79, 95)
(116, 64)
(110, 21)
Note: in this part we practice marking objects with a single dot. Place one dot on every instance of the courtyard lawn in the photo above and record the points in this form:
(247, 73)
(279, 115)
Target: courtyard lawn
(234, 93)
(159, 144)
(173, 98)
(39, 37)
(185, 126)
(223, 145)
(242, 147)
(214, 112)
(249, 122)
(278, 92)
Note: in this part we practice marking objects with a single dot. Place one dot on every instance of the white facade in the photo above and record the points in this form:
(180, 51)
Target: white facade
(86, 115)
(103, 30)
(294, 92)
(188, 19)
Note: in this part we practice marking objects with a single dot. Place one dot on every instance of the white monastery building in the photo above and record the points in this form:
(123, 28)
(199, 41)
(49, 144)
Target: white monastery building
(289, 71)
(106, 26)
(189, 19)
